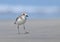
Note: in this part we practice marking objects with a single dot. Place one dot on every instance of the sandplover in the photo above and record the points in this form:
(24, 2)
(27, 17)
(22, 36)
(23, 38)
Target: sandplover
(20, 20)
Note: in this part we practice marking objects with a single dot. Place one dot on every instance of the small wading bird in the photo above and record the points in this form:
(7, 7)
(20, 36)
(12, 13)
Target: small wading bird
(20, 20)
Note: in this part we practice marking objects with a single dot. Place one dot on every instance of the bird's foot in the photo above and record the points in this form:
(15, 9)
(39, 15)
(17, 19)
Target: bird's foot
(26, 32)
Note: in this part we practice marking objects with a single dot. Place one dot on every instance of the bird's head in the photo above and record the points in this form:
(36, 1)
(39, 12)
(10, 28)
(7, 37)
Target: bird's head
(24, 14)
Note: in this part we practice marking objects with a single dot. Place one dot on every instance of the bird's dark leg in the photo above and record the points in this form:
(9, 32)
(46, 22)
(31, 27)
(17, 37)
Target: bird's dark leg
(24, 26)
(24, 29)
(18, 29)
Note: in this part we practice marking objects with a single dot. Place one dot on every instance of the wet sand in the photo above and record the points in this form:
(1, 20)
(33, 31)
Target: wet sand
(39, 31)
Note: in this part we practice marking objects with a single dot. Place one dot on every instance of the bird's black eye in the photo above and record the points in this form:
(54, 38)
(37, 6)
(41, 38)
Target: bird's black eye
(23, 14)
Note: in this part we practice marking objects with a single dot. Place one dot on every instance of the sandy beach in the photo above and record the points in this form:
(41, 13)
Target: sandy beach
(39, 31)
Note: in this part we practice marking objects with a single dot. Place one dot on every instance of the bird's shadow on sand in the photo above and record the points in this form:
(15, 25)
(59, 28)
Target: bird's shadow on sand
(23, 33)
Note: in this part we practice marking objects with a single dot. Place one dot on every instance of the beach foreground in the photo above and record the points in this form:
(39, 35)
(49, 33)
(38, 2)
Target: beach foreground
(39, 30)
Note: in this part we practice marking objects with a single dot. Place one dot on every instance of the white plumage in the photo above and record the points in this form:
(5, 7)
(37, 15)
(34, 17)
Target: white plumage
(21, 20)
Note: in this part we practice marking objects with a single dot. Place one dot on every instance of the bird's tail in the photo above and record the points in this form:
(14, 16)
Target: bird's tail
(15, 22)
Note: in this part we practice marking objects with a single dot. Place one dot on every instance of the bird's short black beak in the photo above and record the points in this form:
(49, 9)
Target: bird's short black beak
(26, 15)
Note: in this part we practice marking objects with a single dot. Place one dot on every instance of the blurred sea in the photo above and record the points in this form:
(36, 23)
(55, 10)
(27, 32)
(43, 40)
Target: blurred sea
(31, 16)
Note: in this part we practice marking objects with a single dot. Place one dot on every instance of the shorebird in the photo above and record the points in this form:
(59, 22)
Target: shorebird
(20, 20)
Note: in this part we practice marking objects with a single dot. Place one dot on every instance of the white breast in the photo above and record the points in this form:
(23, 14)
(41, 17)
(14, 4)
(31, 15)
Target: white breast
(21, 21)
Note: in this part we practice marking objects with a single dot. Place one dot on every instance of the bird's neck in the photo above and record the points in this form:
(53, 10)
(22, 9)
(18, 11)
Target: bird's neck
(23, 17)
